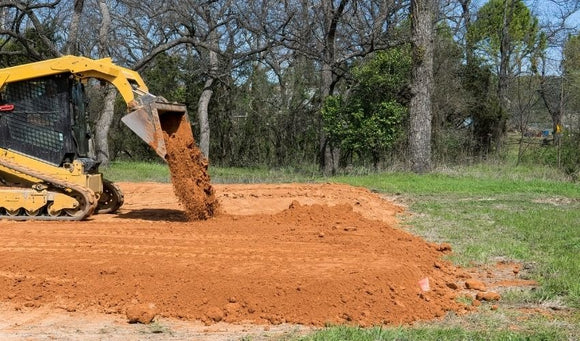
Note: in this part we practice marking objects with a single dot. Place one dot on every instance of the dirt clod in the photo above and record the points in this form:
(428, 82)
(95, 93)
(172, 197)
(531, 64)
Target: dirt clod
(141, 313)
(215, 314)
(474, 284)
(488, 296)
(444, 247)
(452, 285)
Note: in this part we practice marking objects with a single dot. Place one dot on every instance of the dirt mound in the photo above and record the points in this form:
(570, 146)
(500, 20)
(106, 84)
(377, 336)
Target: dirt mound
(307, 263)
(188, 167)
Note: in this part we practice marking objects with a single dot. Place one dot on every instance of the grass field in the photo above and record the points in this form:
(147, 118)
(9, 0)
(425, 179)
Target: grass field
(529, 215)
(489, 214)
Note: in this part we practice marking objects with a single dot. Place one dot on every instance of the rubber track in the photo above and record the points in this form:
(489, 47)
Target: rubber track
(90, 200)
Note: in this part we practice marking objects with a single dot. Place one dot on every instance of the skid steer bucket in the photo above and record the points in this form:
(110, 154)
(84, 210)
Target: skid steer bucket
(154, 118)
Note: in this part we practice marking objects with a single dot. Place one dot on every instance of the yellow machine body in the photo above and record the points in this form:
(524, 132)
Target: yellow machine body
(32, 188)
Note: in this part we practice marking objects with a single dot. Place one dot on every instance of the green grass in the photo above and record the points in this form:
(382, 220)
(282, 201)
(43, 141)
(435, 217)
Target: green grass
(440, 334)
(462, 181)
(159, 172)
(487, 212)
(492, 212)
(486, 324)
(486, 218)
(137, 172)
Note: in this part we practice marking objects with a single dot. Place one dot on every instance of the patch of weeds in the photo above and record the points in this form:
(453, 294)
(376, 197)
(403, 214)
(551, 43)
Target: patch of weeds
(521, 297)
(428, 333)
(156, 327)
(289, 335)
(464, 300)
(103, 331)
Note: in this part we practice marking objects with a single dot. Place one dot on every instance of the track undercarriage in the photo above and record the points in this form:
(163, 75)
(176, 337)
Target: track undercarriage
(35, 190)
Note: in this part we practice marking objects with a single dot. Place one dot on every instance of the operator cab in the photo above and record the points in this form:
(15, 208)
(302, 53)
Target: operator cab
(45, 118)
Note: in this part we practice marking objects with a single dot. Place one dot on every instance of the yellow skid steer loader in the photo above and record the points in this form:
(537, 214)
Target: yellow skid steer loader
(45, 170)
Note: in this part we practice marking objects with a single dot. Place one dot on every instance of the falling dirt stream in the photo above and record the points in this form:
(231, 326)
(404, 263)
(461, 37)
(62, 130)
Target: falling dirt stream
(188, 168)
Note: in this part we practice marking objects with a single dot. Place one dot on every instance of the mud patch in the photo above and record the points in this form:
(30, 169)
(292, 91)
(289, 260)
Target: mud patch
(188, 168)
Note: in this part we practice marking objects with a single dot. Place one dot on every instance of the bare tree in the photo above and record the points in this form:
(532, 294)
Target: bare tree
(133, 35)
(72, 41)
(334, 33)
(105, 118)
(22, 16)
(225, 34)
(558, 27)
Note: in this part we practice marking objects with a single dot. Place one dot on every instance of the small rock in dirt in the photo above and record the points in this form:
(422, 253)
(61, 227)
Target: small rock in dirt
(350, 228)
(476, 303)
(215, 314)
(232, 300)
(452, 286)
(294, 204)
(488, 296)
(275, 320)
(141, 313)
(321, 234)
(494, 307)
(346, 317)
(110, 271)
(474, 284)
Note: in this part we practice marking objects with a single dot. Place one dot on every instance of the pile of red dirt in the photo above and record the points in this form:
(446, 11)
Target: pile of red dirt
(319, 260)
(188, 167)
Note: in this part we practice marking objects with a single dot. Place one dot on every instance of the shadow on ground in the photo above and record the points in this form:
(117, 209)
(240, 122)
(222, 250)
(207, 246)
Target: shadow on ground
(155, 214)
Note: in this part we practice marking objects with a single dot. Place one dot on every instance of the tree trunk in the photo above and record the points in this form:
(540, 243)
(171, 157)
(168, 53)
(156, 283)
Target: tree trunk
(466, 15)
(329, 154)
(72, 41)
(103, 125)
(105, 118)
(207, 93)
(503, 79)
(422, 85)
(203, 117)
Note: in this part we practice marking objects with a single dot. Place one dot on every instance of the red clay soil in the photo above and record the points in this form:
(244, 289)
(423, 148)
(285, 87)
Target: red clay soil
(306, 254)
(188, 168)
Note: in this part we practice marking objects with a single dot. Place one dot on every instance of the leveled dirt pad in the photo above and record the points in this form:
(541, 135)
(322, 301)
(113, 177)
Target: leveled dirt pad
(308, 254)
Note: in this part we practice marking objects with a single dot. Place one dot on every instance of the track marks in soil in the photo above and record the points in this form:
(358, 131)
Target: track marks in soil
(315, 257)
